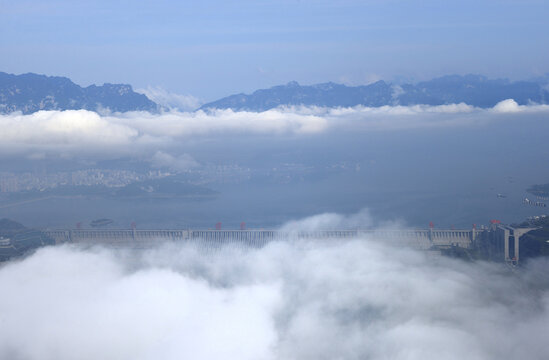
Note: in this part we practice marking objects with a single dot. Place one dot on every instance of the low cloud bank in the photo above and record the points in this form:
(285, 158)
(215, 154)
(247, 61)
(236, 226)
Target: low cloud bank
(171, 100)
(313, 299)
(330, 221)
(72, 134)
(180, 163)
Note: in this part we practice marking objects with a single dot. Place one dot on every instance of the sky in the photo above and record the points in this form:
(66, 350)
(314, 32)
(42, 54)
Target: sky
(212, 48)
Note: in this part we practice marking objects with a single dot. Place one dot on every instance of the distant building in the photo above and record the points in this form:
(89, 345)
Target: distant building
(9, 184)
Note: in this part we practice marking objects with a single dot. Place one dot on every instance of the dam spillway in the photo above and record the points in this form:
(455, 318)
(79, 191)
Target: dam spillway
(419, 239)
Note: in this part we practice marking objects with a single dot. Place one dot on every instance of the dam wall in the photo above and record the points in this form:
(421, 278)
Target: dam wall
(419, 239)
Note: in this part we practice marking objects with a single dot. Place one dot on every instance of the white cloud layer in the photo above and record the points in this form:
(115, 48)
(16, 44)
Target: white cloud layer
(180, 163)
(84, 133)
(170, 100)
(289, 300)
(330, 221)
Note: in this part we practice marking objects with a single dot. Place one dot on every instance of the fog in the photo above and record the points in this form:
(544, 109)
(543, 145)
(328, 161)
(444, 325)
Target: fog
(315, 299)
(170, 100)
(86, 135)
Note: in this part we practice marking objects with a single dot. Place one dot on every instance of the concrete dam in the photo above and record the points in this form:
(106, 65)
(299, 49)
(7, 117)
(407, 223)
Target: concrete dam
(499, 242)
(419, 239)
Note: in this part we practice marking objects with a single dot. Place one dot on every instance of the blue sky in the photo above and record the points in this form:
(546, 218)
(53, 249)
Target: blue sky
(213, 48)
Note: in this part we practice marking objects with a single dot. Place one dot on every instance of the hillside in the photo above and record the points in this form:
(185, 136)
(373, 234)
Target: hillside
(16, 239)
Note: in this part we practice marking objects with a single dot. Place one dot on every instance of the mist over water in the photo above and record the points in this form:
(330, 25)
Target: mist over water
(413, 167)
(315, 299)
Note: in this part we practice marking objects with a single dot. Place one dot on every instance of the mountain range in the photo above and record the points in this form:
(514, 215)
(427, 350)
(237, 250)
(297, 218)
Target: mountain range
(30, 92)
(474, 90)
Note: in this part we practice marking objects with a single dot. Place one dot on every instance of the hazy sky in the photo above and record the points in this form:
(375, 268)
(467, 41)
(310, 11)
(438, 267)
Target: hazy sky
(213, 48)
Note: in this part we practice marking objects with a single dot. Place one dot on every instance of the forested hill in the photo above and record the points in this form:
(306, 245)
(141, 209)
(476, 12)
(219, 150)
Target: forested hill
(17, 240)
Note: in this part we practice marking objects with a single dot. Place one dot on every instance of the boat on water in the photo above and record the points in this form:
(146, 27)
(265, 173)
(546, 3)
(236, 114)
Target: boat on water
(101, 222)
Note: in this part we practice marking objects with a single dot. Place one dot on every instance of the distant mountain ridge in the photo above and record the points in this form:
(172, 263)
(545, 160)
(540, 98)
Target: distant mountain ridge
(30, 92)
(475, 90)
